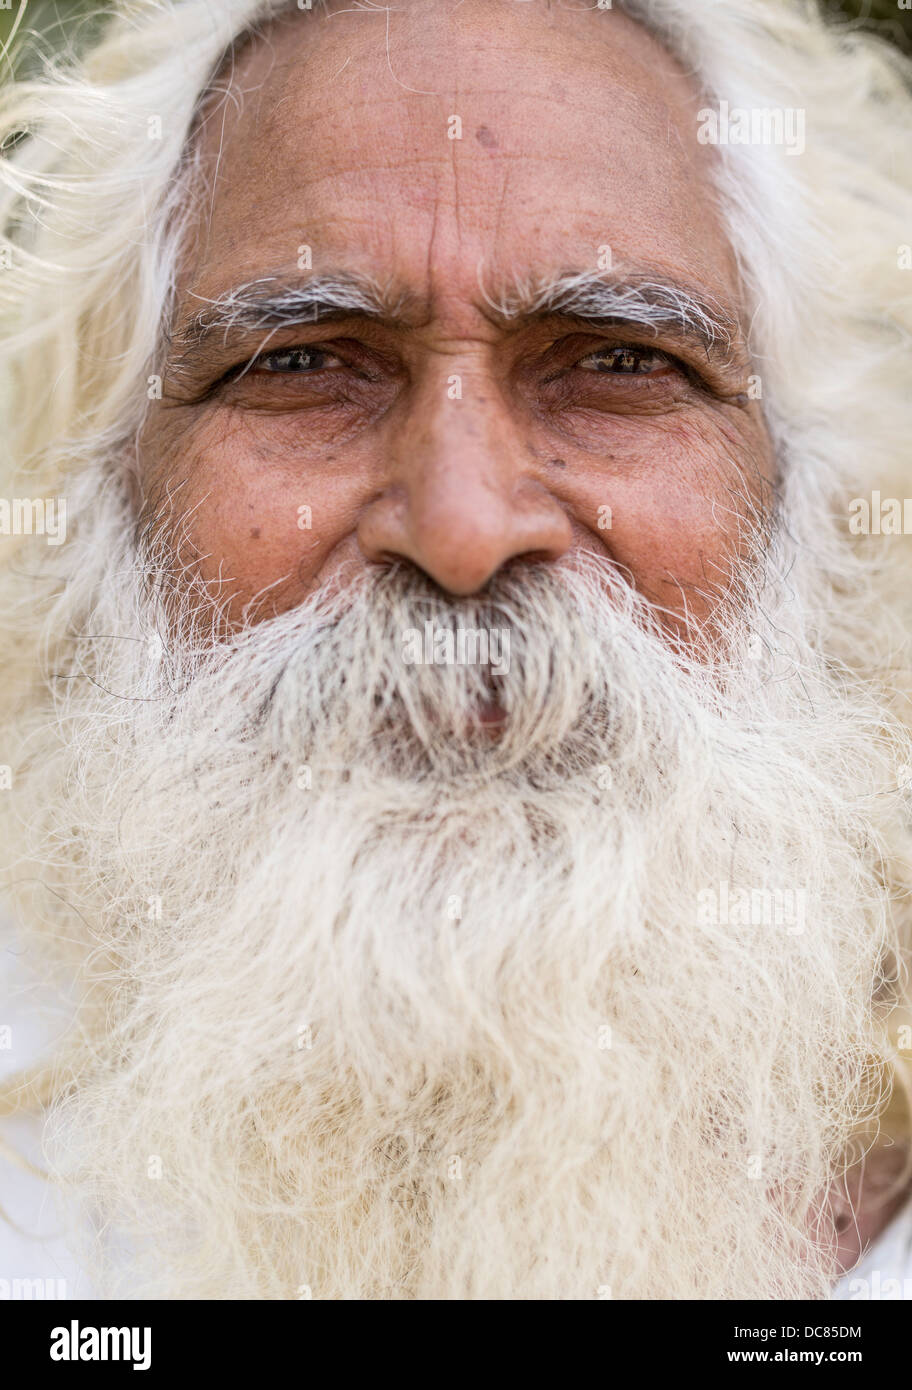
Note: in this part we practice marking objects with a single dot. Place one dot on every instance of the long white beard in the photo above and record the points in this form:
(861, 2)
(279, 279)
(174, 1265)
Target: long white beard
(377, 1007)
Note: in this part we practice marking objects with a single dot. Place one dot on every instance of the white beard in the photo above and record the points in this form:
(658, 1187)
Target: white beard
(378, 1008)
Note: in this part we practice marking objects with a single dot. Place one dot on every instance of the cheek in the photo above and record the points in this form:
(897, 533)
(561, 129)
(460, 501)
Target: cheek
(668, 536)
(254, 522)
(673, 508)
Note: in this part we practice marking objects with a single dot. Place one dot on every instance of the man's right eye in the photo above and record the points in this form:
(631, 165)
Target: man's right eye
(301, 359)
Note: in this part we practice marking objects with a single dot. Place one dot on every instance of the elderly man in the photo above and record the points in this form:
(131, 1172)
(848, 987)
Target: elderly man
(457, 756)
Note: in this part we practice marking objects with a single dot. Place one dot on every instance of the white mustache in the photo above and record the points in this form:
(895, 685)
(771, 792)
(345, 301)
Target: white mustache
(336, 679)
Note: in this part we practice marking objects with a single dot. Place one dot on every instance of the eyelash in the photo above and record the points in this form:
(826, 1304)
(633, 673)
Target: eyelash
(628, 350)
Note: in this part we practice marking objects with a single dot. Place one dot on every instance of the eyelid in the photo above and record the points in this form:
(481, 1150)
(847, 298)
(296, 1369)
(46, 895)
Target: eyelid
(702, 376)
(363, 359)
(607, 345)
(249, 364)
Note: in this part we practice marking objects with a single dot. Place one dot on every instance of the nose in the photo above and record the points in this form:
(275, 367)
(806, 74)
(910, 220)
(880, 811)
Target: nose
(461, 500)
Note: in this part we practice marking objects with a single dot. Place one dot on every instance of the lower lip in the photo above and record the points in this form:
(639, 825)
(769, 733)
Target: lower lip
(489, 716)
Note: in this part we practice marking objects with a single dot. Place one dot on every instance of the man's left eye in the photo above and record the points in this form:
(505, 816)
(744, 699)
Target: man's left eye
(303, 359)
(625, 361)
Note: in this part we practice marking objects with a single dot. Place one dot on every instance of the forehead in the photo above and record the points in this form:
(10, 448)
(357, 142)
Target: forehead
(440, 145)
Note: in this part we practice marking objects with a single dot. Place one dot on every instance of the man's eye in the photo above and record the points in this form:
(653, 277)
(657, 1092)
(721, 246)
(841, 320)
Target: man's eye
(303, 359)
(625, 361)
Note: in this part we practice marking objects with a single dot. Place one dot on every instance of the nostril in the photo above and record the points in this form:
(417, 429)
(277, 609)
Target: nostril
(534, 557)
(462, 530)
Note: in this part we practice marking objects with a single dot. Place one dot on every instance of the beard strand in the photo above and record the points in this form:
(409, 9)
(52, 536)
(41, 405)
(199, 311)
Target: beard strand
(379, 1005)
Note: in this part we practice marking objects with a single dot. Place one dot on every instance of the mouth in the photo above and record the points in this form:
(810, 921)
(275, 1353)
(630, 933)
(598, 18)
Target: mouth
(489, 714)
(487, 721)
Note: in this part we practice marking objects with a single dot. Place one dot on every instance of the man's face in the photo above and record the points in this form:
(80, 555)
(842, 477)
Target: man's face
(444, 432)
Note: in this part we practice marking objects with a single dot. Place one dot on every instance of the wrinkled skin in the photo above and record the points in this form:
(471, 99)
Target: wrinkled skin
(578, 132)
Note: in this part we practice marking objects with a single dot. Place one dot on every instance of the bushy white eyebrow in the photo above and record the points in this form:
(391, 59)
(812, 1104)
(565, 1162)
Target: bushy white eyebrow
(271, 303)
(602, 298)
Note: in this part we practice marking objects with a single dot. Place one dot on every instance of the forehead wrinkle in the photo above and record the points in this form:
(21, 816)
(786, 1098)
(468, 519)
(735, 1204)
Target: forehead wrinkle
(340, 180)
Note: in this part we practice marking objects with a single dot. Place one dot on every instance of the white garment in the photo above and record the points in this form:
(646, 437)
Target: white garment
(885, 1270)
(35, 1261)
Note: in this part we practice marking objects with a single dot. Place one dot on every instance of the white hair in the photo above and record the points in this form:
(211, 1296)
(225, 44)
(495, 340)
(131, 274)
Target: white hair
(94, 204)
